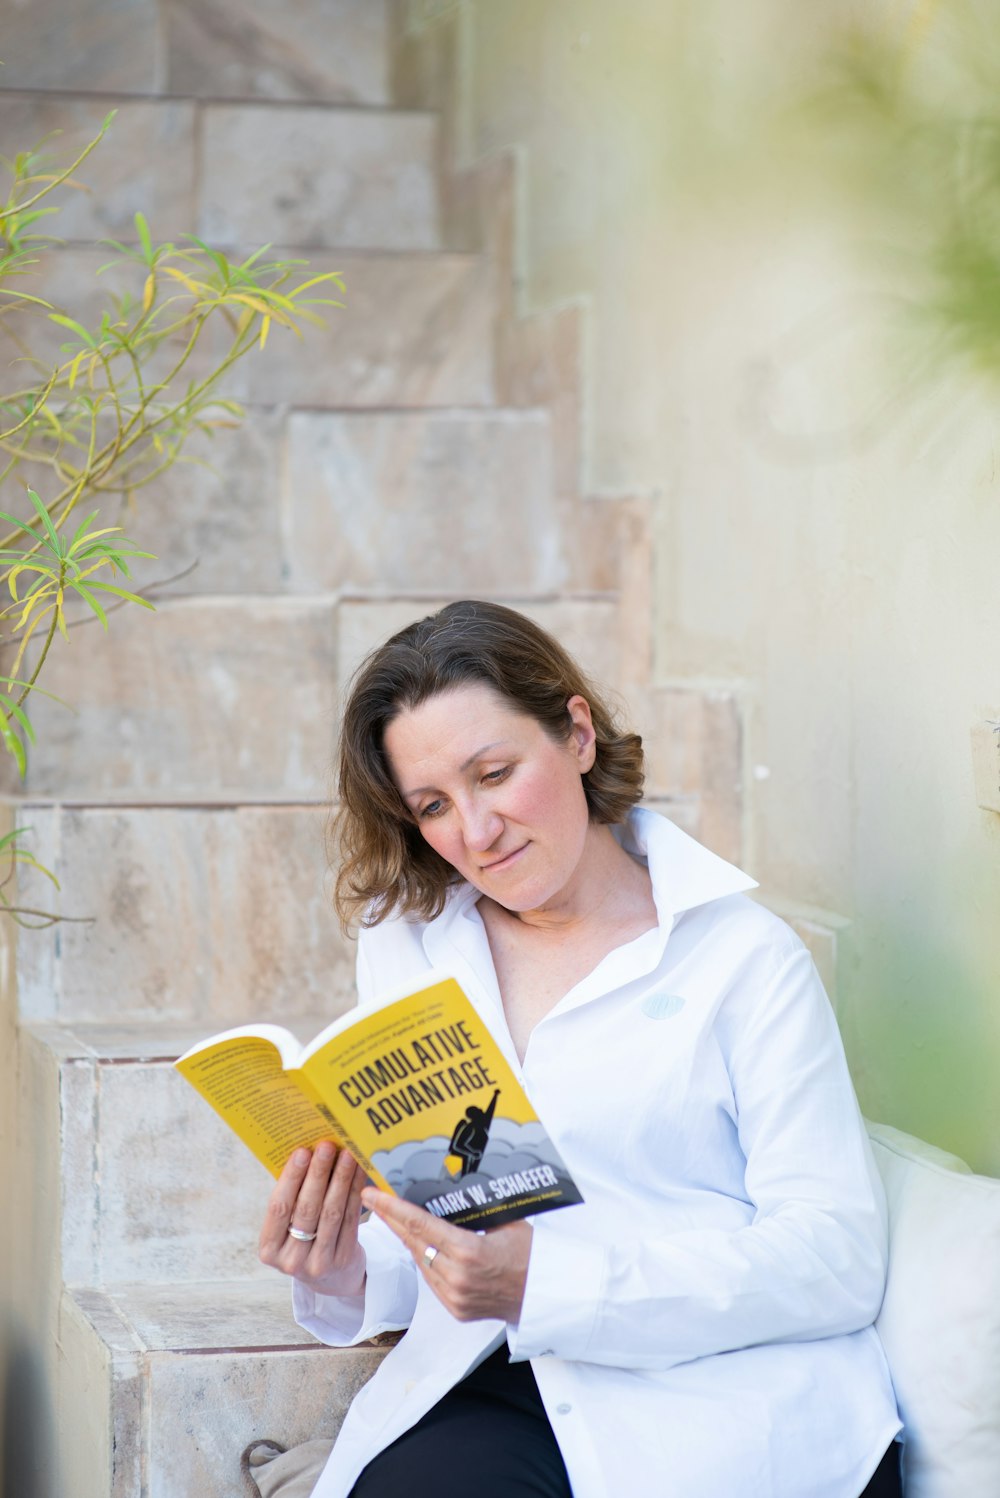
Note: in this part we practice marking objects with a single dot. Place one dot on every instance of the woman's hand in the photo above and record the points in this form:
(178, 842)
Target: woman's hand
(317, 1192)
(475, 1276)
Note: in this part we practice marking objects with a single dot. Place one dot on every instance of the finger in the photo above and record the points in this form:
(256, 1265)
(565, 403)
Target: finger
(281, 1202)
(309, 1202)
(403, 1216)
(337, 1229)
(414, 1227)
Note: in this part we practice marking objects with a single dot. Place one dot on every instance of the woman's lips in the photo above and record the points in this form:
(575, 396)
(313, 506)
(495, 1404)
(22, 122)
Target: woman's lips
(505, 862)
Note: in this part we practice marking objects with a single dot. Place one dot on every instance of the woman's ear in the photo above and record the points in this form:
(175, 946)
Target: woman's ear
(583, 735)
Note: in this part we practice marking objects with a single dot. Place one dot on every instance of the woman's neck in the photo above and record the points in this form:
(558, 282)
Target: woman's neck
(608, 886)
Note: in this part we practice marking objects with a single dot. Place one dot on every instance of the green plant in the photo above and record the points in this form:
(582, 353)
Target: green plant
(110, 411)
(909, 124)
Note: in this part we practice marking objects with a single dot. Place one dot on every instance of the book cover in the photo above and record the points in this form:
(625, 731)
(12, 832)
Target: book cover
(417, 1090)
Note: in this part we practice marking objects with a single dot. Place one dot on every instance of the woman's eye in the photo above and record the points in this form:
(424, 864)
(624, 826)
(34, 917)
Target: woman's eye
(432, 809)
(496, 776)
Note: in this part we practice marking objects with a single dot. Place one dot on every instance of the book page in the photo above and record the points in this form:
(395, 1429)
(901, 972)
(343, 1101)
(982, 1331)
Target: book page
(271, 1110)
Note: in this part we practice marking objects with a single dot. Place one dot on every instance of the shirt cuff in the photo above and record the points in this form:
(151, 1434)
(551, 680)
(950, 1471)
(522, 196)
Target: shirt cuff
(561, 1297)
(344, 1320)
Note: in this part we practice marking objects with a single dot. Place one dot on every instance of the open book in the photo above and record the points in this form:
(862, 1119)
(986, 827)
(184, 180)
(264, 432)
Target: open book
(417, 1090)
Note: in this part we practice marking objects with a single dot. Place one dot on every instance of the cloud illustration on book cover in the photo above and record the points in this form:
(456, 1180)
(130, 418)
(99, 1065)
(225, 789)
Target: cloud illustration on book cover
(488, 1162)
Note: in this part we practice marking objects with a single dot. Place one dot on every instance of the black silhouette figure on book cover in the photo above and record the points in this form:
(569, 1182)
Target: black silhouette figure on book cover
(471, 1136)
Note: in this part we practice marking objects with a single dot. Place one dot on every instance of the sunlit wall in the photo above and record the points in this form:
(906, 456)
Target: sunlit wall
(828, 508)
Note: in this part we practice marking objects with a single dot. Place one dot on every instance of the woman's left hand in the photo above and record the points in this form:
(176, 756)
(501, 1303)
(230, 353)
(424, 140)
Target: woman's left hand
(475, 1276)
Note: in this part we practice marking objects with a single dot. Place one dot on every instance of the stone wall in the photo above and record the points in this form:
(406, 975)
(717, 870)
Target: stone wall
(823, 494)
(426, 444)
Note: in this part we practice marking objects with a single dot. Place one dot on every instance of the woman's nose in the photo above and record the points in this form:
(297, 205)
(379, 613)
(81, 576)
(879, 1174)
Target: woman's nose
(481, 828)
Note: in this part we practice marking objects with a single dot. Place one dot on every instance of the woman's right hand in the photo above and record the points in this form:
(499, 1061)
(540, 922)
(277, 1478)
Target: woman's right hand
(318, 1191)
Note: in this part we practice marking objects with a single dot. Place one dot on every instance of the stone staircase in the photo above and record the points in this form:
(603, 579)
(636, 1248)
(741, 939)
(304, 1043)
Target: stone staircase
(421, 447)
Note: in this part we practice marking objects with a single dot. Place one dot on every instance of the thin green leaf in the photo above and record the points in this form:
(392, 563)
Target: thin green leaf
(81, 528)
(75, 327)
(45, 518)
(14, 747)
(9, 837)
(123, 593)
(142, 229)
(19, 524)
(18, 712)
(22, 856)
(23, 296)
(87, 597)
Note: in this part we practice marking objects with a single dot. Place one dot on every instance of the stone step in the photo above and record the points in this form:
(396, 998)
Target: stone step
(232, 700)
(313, 501)
(220, 700)
(422, 500)
(415, 331)
(152, 1185)
(336, 51)
(343, 178)
(315, 175)
(588, 626)
(208, 915)
(182, 1378)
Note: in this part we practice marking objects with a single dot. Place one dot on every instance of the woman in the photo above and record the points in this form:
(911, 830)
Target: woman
(701, 1325)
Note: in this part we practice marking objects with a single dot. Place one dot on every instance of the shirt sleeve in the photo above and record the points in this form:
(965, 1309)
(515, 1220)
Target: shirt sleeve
(388, 1302)
(390, 1293)
(812, 1261)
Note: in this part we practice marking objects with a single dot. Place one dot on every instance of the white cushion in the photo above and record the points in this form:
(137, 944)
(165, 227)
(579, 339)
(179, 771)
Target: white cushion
(940, 1321)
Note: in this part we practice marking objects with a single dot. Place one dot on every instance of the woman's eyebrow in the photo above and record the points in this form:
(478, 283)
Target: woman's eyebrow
(420, 790)
(480, 752)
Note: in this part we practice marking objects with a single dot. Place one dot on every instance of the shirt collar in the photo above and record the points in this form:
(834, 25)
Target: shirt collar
(684, 874)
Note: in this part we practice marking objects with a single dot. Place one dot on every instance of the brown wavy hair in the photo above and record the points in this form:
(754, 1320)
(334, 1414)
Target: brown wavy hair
(385, 866)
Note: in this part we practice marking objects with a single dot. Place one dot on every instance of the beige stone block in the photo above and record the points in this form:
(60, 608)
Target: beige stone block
(153, 1186)
(227, 1314)
(414, 331)
(338, 178)
(213, 519)
(220, 700)
(180, 1197)
(98, 1410)
(192, 1377)
(215, 916)
(586, 627)
(204, 1409)
(145, 163)
(68, 279)
(684, 814)
(415, 500)
(306, 50)
(694, 745)
(77, 1109)
(90, 46)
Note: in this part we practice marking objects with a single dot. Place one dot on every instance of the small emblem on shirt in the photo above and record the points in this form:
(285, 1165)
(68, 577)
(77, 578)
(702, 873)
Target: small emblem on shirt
(662, 1005)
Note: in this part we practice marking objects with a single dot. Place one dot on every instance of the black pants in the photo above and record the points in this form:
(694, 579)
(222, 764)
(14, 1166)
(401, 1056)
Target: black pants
(490, 1436)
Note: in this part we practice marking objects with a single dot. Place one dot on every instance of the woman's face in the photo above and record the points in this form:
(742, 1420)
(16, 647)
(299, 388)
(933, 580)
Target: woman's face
(493, 793)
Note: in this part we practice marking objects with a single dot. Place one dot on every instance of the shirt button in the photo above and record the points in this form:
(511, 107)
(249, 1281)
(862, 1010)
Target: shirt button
(563, 1409)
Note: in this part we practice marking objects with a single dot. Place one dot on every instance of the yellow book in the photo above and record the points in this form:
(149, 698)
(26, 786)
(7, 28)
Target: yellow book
(417, 1090)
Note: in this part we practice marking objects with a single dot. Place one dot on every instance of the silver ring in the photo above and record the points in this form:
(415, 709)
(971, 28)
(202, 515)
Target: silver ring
(430, 1254)
(300, 1236)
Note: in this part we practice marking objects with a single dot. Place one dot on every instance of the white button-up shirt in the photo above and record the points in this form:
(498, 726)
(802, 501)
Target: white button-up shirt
(701, 1326)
